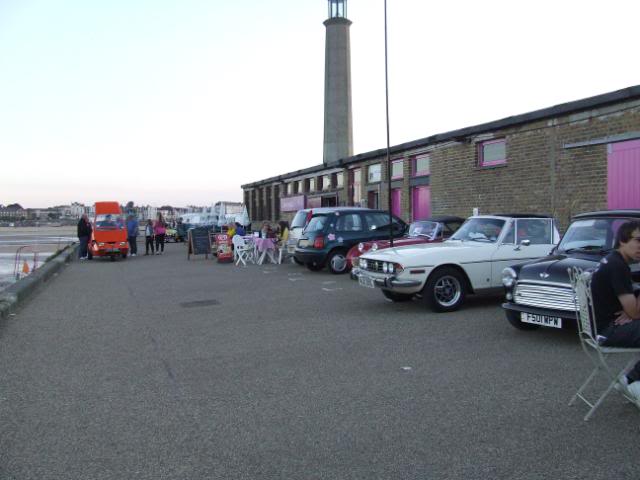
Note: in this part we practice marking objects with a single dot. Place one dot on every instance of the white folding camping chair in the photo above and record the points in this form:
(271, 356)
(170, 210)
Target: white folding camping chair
(598, 354)
(242, 252)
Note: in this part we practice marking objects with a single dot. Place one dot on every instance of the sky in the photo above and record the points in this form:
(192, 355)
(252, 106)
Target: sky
(181, 102)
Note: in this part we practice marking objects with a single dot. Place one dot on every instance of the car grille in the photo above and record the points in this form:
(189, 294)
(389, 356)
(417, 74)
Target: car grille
(544, 296)
(374, 266)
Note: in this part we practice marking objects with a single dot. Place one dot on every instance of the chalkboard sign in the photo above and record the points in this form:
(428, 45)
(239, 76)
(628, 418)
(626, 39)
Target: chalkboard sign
(199, 242)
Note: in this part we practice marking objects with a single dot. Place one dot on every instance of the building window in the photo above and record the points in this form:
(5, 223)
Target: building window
(300, 185)
(339, 180)
(374, 173)
(492, 152)
(290, 188)
(326, 182)
(397, 169)
(312, 185)
(421, 166)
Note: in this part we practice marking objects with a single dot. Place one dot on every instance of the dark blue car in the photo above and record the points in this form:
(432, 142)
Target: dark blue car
(331, 232)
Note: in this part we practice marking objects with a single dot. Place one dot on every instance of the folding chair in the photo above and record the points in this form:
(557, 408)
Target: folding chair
(599, 355)
(241, 251)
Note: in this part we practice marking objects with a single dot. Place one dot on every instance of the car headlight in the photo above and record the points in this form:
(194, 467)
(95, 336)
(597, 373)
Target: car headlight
(391, 268)
(374, 247)
(101, 244)
(363, 264)
(361, 247)
(509, 276)
(385, 267)
(122, 244)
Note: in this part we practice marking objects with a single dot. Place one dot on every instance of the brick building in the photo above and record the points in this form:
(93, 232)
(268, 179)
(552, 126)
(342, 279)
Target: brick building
(574, 157)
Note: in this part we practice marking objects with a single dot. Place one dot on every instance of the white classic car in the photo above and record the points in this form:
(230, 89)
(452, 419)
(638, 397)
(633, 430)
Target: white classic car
(471, 261)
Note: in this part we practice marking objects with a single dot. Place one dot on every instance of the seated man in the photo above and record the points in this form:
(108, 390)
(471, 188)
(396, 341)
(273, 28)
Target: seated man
(616, 307)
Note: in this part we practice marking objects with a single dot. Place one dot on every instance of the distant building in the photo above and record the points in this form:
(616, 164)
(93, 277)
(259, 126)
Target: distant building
(13, 212)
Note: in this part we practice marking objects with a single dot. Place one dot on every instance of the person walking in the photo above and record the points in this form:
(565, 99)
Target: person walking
(84, 234)
(159, 230)
(132, 234)
(148, 237)
(616, 305)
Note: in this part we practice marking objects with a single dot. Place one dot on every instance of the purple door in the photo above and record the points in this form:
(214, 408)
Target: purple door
(421, 202)
(396, 201)
(623, 175)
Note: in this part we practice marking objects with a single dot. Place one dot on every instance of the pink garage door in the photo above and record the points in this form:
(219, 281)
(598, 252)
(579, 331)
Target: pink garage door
(421, 202)
(396, 201)
(623, 175)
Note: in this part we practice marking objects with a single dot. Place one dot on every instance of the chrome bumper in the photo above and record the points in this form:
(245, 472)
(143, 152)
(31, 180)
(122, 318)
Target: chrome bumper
(387, 282)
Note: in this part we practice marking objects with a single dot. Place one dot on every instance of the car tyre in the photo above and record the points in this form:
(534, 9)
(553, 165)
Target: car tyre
(314, 267)
(397, 297)
(337, 262)
(112, 258)
(514, 319)
(445, 290)
(298, 262)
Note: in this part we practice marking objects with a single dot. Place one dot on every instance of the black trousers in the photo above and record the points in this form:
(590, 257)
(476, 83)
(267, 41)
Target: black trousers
(626, 336)
(148, 242)
(160, 242)
(133, 245)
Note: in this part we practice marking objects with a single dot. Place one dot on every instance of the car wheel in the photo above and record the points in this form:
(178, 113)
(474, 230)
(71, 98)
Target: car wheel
(112, 258)
(314, 267)
(338, 262)
(124, 256)
(397, 297)
(445, 290)
(514, 320)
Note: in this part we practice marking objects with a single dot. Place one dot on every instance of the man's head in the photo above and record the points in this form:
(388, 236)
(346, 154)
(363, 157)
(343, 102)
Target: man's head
(628, 241)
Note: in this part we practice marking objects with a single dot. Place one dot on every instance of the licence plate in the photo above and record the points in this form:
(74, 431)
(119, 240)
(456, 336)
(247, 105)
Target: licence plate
(544, 320)
(113, 250)
(291, 249)
(366, 281)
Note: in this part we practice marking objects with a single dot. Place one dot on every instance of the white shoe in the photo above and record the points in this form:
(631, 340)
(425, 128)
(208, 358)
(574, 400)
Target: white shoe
(133, 254)
(634, 390)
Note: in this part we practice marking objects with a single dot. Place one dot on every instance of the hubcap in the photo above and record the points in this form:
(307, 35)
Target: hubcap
(447, 291)
(339, 263)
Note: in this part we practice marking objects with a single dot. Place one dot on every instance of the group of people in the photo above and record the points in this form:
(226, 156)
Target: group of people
(280, 234)
(154, 234)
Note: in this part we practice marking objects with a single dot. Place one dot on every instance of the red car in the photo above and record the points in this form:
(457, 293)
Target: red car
(434, 229)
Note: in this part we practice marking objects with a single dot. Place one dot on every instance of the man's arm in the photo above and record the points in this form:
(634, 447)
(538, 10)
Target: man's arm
(630, 308)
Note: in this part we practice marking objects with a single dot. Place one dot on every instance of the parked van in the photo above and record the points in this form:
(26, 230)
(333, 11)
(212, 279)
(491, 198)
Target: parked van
(109, 235)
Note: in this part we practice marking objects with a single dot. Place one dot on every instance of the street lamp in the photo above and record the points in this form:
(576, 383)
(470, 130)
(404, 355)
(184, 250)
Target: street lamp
(386, 88)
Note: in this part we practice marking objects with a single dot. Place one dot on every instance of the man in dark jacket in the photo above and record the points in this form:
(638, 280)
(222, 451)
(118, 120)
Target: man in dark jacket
(132, 234)
(84, 234)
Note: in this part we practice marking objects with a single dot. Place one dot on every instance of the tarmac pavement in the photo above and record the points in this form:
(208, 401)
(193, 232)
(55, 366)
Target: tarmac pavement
(159, 367)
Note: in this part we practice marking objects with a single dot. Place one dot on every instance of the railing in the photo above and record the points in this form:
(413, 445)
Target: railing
(21, 261)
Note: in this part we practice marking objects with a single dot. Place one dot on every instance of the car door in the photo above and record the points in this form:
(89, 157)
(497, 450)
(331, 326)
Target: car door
(524, 239)
(349, 229)
(377, 226)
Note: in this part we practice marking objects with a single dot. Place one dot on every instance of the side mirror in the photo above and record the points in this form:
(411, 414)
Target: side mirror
(526, 243)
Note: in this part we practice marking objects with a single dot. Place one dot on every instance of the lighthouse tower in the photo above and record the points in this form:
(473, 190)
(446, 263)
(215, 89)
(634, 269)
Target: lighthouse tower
(338, 135)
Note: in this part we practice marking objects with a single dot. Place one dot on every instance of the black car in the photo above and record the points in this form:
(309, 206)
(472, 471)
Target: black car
(332, 231)
(538, 293)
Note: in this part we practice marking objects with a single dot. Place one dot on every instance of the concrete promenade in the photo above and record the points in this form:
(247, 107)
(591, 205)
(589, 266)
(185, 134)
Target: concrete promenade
(161, 368)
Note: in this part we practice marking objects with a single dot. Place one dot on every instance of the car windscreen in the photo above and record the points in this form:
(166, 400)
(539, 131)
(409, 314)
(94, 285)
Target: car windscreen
(316, 224)
(592, 234)
(423, 229)
(109, 221)
(480, 230)
(299, 220)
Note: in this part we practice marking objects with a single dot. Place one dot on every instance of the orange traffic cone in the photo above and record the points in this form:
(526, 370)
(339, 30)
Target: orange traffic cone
(25, 267)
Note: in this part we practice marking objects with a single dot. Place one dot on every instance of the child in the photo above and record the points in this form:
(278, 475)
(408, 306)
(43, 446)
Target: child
(148, 237)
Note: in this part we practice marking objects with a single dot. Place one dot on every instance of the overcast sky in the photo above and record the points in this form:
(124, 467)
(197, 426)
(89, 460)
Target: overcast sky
(181, 102)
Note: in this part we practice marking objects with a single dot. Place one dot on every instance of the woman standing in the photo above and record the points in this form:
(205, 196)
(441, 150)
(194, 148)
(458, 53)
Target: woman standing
(159, 230)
